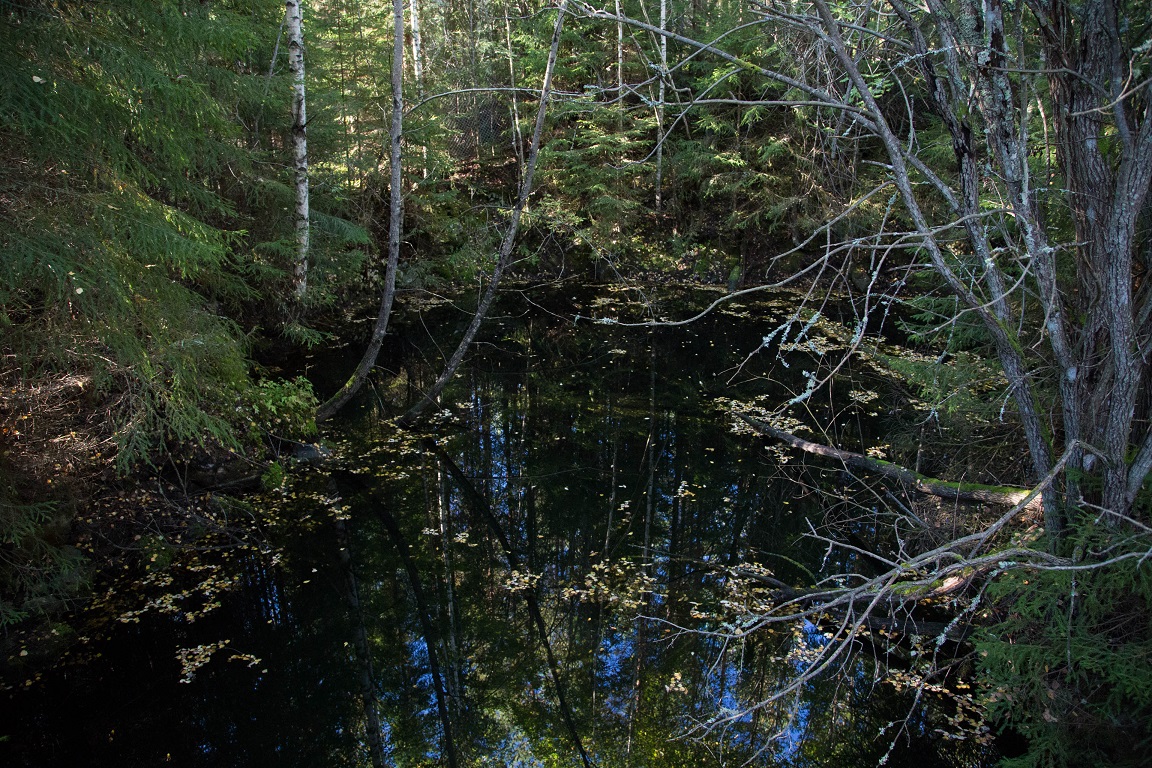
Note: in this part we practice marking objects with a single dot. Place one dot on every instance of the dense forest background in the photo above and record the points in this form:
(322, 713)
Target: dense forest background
(978, 169)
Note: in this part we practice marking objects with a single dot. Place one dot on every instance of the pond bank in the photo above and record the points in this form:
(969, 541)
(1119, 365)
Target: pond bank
(605, 459)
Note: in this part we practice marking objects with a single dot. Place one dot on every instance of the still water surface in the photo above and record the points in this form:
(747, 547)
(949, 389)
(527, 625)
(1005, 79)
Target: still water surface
(536, 581)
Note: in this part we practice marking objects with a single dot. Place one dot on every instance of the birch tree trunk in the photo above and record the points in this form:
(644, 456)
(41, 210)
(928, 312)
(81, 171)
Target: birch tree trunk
(660, 106)
(417, 49)
(619, 58)
(395, 225)
(505, 255)
(299, 146)
(517, 136)
(418, 71)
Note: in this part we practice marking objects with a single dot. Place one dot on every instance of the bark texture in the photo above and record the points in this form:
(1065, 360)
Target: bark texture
(506, 245)
(301, 217)
(395, 226)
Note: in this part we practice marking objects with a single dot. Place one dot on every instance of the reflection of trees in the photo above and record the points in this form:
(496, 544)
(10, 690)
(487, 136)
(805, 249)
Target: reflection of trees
(571, 463)
(592, 462)
(528, 590)
(367, 677)
(430, 636)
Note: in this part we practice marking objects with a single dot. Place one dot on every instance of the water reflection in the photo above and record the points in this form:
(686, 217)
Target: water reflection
(537, 582)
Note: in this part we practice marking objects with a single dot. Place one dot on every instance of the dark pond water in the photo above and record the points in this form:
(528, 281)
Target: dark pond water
(538, 577)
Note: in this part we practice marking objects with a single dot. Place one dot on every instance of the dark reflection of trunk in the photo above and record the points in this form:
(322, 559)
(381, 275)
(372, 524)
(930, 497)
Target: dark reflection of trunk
(609, 424)
(363, 651)
(653, 434)
(609, 427)
(438, 505)
(743, 512)
(676, 566)
(444, 521)
(430, 636)
(480, 505)
(430, 643)
(650, 458)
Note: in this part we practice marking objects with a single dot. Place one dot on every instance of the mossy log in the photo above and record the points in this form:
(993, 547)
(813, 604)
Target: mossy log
(987, 494)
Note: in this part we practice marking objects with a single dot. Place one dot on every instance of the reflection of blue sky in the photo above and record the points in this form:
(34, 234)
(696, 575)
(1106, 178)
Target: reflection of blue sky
(615, 649)
(418, 659)
(793, 735)
(567, 451)
(513, 751)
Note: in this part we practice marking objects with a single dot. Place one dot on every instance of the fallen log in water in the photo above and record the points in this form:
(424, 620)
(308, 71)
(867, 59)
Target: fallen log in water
(988, 494)
(893, 608)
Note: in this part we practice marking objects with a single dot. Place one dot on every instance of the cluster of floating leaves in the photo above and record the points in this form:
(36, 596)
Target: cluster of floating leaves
(756, 409)
(192, 659)
(620, 583)
(522, 581)
(966, 718)
(831, 338)
(734, 309)
(303, 506)
(867, 400)
(422, 301)
(863, 395)
(807, 646)
(676, 684)
(748, 597)
(177, 602)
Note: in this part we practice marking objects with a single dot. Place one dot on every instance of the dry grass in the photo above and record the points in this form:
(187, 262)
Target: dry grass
(55, 439)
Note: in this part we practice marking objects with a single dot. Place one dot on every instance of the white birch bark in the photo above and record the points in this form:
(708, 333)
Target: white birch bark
(619, 58)
(299, 145)
(517, 136)
(660, 106)
(417, 49)
(395, 226)
(506, 245)
(418, 70)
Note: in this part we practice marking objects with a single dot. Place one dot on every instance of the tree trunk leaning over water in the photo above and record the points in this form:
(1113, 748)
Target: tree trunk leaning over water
(395, 225)
(293, 15)
(975, 492)
(1067, 308)
(506, 245)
